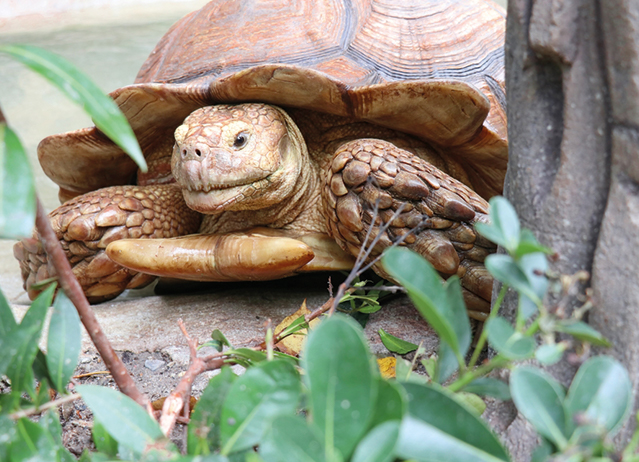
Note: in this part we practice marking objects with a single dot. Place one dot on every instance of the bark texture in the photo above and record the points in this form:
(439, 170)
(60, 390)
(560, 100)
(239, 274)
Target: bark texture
(572, 74)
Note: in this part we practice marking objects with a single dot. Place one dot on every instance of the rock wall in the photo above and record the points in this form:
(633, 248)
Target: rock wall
(573, 112)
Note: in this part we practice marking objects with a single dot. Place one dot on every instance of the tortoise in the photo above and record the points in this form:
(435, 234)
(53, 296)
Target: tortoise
(293, 129)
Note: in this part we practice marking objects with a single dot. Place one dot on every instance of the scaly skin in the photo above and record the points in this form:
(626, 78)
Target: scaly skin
(250, 166)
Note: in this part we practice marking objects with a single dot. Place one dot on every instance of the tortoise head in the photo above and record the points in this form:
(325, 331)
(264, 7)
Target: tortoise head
(242, 157)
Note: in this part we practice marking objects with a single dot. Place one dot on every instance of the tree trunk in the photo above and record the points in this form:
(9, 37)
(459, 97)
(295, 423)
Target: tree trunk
(572, 76)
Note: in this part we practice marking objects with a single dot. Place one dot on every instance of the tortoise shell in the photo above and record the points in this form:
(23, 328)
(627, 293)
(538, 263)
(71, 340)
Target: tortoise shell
(430, 68)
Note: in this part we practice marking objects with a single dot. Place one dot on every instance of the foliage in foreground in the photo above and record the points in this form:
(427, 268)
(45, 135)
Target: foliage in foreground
(335, 406)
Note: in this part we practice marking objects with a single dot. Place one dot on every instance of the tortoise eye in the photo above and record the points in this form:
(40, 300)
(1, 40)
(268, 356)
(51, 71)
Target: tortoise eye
(240, 140)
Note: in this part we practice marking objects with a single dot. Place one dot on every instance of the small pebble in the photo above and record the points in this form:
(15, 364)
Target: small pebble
(154, 364)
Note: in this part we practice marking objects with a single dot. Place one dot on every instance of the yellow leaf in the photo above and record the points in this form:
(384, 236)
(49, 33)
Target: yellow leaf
(292, 345)
(387, 366)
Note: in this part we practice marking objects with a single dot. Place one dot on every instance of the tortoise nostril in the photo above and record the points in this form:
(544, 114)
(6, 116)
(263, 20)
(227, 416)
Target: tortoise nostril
(183, 152)
(198, 153)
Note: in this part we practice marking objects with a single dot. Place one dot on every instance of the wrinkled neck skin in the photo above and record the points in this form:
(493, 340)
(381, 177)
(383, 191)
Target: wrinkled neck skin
(296, 210)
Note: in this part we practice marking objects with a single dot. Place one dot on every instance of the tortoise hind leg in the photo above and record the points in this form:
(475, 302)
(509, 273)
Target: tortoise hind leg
(436, 217)
(86, 224)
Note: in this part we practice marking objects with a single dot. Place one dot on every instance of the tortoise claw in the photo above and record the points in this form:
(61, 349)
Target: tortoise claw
(407, 201)
(214, 257)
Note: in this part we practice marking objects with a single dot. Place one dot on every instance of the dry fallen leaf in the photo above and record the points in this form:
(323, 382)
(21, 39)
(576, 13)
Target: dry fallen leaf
(387, 366)
(292, 345)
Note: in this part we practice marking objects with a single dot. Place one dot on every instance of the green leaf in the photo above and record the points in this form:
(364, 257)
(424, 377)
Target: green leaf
(258, 396)
(540, 398)
(290, 438)
(379, 444)
(17, 188)
(472, 401)
(447, 363)
(64, 341)
(488, 386)
(423, 442)
(124, 419)
(23, 343)
(7, 435)
(504, 224)
(508, 342)
(32, 442)
(582, 331)
(602, 391)
(531, 264)
(394, 344)
(528, 244)
(247, 354)
(7, 321)
(342, 382)
(390, 404)
(550, 354)
(506, 270)
(450, 426)
(79, 88)
(218, 341)
(425, 289)
(103, 441)
(203, 433)
(297, 325)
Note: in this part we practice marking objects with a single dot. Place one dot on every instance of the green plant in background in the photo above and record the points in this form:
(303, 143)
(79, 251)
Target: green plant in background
(333, 405)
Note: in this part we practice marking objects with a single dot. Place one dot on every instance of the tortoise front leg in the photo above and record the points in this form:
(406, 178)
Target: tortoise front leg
(87, 224)
(436, 218)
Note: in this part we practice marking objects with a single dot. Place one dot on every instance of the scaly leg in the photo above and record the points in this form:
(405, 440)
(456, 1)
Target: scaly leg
(87, 224)
(438, 212)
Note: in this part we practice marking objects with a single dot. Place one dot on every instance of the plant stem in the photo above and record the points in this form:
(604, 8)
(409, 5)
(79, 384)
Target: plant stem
(39, 409)
(496, 362)
(72, 288)
(484, 333)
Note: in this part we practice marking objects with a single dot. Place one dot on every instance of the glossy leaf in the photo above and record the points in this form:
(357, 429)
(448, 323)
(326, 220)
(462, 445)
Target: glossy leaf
(125, 420)
(342, 382)
(7, 434)
(104, 442)
(534, 266)
(379, 444)
(24, 342)
(422, 442)
(79, 88)
(550, 354)
(7, 321)
(582, 331)
(290, 438)
(447, 363)
(203, 432)
(602, 391)
(17, 188)
(528, 244)
(508, 342)
(540, 398)
(505, 269)
(32, 442)
(262, 393)
(488, 386)
(425, 289)
(450, 420)
(218, 341)
(390, 403)
(504, 227)
(64, 341)
(394, 344)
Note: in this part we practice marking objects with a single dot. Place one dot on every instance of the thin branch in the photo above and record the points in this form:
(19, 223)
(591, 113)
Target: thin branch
(73, 290)
(46, 406)
(180, 397)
